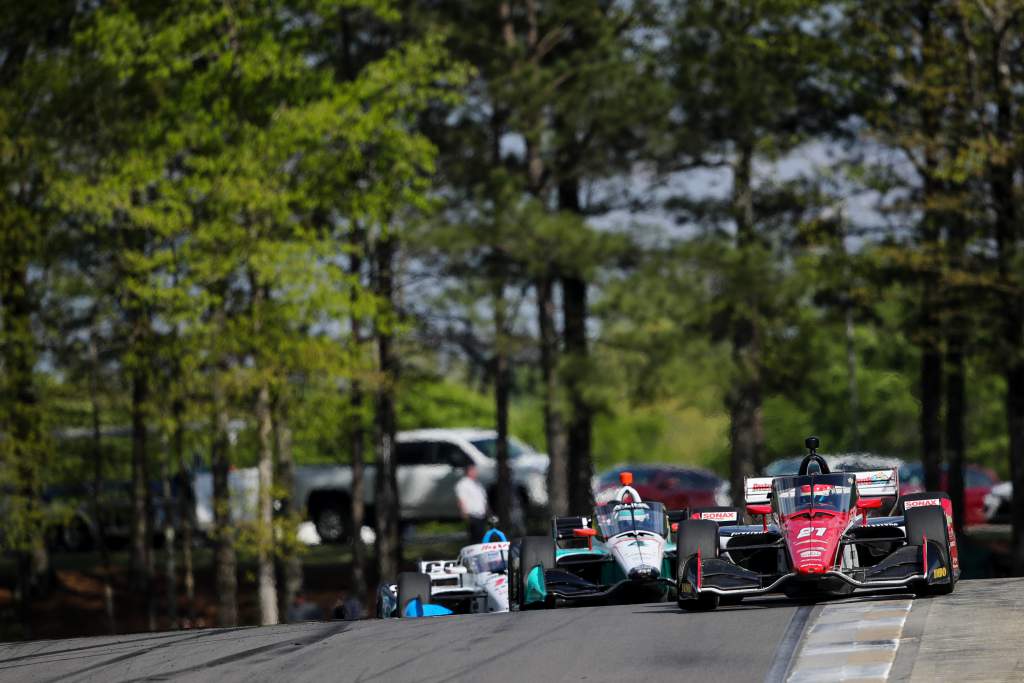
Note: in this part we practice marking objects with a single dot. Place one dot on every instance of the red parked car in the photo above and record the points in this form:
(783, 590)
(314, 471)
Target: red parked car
(978, 481)
(675, 487)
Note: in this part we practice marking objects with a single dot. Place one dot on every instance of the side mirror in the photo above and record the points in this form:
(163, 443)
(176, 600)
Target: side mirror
(865, 504)
(764, 510)
(587, 534)
(869, 503)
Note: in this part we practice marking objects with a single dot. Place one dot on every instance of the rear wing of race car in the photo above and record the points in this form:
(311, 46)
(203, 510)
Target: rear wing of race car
(878, 483)
(443, 573)
(870, 484)
(756, 489)
(562, 528)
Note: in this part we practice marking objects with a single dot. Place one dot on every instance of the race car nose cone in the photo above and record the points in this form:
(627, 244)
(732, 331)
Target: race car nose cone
(643, 572)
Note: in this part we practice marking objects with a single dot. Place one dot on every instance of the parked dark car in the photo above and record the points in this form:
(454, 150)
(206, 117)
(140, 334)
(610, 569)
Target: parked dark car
(77, 527)
(675, 487)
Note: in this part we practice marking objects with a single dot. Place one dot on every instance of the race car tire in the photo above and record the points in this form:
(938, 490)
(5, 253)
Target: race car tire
(706, 602)
(922, 495)
(76, 536)
(929, 522)
(532, 551)
(691, 536)
(412, 585)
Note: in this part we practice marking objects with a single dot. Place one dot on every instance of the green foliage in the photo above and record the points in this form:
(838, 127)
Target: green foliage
(184, 184)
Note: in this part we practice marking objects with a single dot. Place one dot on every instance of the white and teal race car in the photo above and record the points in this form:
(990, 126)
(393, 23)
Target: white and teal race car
(624, 552)
(474, 583)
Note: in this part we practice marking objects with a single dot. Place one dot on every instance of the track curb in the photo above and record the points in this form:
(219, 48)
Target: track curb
(785, 656)
(910, 642)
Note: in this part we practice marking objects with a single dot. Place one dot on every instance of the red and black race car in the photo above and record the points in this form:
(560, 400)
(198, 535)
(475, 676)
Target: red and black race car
(816, 537)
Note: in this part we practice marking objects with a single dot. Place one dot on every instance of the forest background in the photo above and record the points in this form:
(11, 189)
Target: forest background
(624, 231)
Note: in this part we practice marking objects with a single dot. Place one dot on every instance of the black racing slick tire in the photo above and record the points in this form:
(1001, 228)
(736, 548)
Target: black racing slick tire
(412, 585)
(930, 522)
(694, 534)
(530, 552)
(691, 536)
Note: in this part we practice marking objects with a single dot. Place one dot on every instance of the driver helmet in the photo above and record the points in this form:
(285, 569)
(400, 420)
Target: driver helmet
(629, 513)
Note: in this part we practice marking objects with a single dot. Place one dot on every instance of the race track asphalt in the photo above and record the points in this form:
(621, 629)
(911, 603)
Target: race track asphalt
(648, 642)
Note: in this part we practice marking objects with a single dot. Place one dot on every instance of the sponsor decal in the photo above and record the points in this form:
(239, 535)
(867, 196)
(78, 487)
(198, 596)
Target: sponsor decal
(810, 553)
(719, 516)
(875, 477)
(939, 573)
(761, 487)
(631, 506)
(821, 489)
(909, 504)
(686, 588)
(484, 547)
(807, 531)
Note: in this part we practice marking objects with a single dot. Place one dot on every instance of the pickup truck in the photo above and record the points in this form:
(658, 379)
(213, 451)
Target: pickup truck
(429, 463)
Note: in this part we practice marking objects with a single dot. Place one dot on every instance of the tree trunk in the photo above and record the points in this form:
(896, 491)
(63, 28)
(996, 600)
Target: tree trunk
(142, 550)
(357, 440)
(267, 584)
(289, 567)
(503, 489)
(955, 411)
(23, 445)
(357, 431)
(956, 381)
(386, 503)
(746, 431)
(1015, 426)
(574, 310)
(97, 484)
(170, 552)
(224, 558)
(554, 424)
(931, 418)
(931, 348)
(745, 397)
(1008, 234)
(581, 467)
(186, 507)
(851, 380)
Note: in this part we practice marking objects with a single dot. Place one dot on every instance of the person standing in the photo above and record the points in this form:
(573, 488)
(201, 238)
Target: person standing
(472, 499)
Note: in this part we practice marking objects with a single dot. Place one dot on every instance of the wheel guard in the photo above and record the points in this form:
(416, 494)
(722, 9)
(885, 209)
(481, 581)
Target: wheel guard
(716, 573)
(416, 608)
(903, 565)
(564, 585)
(536, 586)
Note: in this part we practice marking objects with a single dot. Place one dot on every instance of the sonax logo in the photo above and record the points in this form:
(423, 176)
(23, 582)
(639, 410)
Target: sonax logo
(907, 505)
(719, 516)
